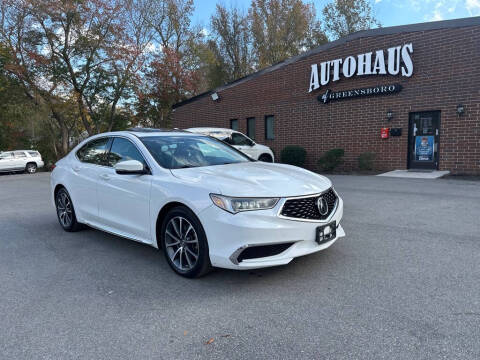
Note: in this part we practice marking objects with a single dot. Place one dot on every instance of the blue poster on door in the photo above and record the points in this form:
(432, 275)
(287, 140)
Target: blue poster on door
(424, 148)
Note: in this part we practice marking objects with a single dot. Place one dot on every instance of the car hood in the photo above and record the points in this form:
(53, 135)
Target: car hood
(256, 179)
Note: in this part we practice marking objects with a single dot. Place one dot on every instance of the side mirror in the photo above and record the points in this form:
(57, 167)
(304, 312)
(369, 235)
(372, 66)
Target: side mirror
(130, 167)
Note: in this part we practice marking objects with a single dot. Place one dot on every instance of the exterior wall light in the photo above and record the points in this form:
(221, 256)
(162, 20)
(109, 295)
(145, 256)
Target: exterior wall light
(215, 96)
(460, 110)
(389, 115)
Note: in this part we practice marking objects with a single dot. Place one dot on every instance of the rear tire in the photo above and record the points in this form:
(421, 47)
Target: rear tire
(184, 243)
(31, 168)
(66, 212)
(265, 158)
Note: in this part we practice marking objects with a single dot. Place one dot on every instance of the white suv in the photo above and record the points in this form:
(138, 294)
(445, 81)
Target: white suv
(20, 160)
(238, 141)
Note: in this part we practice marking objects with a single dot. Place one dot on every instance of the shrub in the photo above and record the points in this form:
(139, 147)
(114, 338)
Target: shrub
(365, 161)
(331, 159)
(293, 155)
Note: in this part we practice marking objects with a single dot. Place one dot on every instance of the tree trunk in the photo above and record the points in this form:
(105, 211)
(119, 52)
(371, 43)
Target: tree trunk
(64, 140)
(83, 114)
(112, 115)
(63, 131)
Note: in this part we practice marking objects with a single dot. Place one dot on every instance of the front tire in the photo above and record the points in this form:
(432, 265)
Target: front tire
(66, 212)
(184, 243)
(31, 168)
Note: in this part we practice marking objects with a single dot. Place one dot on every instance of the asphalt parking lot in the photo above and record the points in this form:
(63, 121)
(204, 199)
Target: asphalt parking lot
(403, 284)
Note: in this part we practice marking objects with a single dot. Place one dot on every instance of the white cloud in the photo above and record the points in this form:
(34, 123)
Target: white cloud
(436, 16)
(473, 6)
(443, 9)
(415, 5)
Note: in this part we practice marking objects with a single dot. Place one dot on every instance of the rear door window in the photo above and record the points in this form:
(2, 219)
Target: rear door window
(19, 154)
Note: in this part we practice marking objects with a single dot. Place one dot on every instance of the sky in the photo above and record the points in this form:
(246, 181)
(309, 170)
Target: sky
(388, 12)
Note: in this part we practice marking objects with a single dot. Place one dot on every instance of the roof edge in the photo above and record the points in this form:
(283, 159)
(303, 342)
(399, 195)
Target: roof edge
(425, 26)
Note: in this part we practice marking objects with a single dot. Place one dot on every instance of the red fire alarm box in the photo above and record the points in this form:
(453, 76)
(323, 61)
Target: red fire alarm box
(384, 133)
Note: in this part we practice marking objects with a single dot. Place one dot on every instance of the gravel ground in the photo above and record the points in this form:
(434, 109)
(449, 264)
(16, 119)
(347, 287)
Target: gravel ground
(403, 284)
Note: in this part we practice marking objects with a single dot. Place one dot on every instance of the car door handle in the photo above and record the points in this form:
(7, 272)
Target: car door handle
(76, 168)
(105, 176)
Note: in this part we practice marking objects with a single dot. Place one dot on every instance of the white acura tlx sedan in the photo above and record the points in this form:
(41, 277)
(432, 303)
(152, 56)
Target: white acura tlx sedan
(200, 200)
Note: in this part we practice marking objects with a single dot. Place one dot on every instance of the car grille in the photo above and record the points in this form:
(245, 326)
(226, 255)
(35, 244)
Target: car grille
(306, 208)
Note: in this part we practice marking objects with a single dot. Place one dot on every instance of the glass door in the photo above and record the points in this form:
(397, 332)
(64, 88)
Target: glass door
(423, 140)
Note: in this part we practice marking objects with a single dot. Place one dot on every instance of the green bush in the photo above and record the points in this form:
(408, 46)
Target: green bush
(293, 155)
(331, 159)
(365, 161)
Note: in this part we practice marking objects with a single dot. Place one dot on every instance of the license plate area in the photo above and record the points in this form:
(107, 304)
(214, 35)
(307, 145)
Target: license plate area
(326, 232)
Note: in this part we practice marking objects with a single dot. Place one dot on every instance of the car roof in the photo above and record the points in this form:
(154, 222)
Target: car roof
(146, 132)
(211, 130)
(17, 150)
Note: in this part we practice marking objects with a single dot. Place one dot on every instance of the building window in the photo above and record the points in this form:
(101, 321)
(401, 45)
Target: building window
(234, 124)
(251, 128)
(269, 134)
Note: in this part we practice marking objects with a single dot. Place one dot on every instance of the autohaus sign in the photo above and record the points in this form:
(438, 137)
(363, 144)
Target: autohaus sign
(394, 61)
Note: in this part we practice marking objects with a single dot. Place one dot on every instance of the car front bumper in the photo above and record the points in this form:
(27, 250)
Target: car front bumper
(228, 235)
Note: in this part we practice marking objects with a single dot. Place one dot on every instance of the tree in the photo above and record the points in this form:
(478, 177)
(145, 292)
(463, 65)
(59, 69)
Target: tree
(173, 73)
(169, 82)
(86, 50)
(213, 68)
(343, 17)
(283, 28)
(231, 32)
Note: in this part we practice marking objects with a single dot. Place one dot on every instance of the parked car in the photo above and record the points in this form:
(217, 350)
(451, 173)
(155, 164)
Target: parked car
(20, 160)
(200, 200)
(239, 141)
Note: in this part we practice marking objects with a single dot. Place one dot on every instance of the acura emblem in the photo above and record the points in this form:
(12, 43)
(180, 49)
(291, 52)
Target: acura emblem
(322, 206)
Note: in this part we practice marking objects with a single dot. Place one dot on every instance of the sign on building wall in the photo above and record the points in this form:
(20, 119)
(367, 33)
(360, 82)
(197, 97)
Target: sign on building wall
(394, 61)
(354, 93)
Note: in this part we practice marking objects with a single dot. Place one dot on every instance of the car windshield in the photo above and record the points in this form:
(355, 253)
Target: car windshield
(177, 152)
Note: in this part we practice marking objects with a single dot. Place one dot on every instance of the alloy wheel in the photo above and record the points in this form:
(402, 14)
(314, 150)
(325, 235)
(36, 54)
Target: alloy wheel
(64, 209)
(181, 242)
(31, 168)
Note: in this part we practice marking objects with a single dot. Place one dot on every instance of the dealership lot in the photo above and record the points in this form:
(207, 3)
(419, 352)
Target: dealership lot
(404, 283)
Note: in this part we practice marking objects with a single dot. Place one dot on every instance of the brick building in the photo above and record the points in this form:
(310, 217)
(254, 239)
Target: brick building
(421, 82)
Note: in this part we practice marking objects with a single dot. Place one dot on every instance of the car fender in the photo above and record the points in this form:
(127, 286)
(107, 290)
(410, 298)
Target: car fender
(173, 190)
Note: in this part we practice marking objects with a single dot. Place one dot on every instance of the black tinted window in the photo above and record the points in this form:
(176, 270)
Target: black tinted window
(239, 139)
(93, 152)
(123, 150)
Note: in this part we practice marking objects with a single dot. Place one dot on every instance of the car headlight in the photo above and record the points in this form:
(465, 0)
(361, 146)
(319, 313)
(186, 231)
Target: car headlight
(235, 204)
